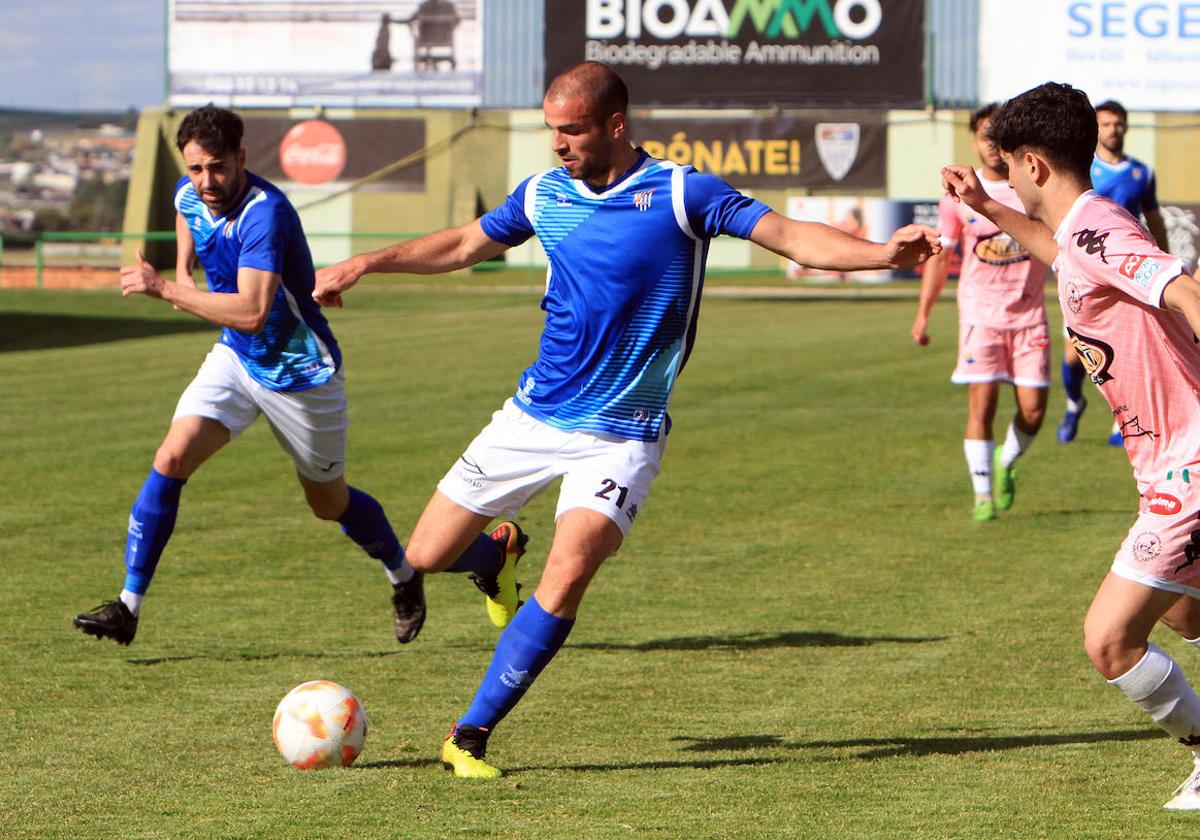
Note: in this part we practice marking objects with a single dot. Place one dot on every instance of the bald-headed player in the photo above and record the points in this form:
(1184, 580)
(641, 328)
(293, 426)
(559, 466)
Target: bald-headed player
(626, 236)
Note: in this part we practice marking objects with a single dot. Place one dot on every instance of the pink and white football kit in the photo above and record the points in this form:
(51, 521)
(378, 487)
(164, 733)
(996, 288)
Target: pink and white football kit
(1002, 318)
(1003, 335)
(1146, 362)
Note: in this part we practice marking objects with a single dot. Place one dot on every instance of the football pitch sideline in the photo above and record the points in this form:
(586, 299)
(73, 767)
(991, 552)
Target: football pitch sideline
(804, 636)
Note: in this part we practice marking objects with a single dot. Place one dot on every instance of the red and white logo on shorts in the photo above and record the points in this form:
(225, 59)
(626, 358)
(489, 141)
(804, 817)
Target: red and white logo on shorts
(1163, 504)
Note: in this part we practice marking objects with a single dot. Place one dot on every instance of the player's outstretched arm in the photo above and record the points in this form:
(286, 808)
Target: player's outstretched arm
(933, 280)
(1158, 229)
(821, 246)
(1182, 295)
(244, 310)
(962, 184)
(434, 253)
(185, 252)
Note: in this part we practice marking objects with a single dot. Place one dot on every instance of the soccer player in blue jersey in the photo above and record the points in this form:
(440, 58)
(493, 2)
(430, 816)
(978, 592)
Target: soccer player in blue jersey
(626, 236)
(1130, 183)
(276, 356)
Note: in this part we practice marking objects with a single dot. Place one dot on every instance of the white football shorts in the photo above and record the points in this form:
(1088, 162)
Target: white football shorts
(310, 425)
(517, 456)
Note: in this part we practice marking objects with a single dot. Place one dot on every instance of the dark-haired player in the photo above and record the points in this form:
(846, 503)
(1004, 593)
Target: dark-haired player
(626, 236)
(1002, 331)
(1132, 312)
(276, 357)
(1130, 183)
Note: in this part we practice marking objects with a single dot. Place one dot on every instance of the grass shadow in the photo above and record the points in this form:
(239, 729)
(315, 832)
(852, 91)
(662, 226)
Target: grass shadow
(35, 331)
(262, 657)
(755, 641)
(893, 747)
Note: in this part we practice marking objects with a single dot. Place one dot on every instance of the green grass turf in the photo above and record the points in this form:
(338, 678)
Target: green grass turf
(805, 635)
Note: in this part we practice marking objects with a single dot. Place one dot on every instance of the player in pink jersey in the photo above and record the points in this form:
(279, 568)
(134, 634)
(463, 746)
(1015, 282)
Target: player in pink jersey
(1133, 314)
(1002, 332)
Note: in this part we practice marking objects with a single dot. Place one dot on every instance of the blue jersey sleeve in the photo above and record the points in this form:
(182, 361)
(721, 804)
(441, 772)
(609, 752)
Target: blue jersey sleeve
(713, 207)
(508, 223)
(264, 239)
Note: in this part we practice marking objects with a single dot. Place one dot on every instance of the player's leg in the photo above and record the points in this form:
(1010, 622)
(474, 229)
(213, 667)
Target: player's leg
(1029, 361)
(311, 426)
(1153, 570)
(511, 460)
(364, 521)
(605, 486)
(1072, 377)
(583, 539)
(1116, 634)
(189, 443)
(1184, 618)
(983, 362)
(213, 409)
(978, 445)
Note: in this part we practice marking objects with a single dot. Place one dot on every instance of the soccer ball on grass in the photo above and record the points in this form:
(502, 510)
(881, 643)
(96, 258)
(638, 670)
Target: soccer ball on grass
(319, 724)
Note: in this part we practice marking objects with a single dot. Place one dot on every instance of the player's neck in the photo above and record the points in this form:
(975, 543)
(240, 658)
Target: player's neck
(626, 158)
(1109, 157)
(1058, 199)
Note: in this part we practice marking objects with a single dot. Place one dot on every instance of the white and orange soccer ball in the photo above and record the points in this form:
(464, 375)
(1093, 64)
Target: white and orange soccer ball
(319, 724)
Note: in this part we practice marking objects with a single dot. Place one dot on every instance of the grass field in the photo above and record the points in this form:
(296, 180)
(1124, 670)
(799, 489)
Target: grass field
(805, 635)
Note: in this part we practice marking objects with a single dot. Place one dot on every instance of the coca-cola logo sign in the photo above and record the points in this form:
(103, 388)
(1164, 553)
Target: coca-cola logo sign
(312, 152)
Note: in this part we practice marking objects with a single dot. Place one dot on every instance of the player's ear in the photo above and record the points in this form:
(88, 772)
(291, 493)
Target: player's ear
(241, 158)
(617, 126)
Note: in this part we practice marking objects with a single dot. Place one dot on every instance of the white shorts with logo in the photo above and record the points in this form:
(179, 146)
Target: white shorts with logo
(517, 456)
(1162, 549)
(310, 425)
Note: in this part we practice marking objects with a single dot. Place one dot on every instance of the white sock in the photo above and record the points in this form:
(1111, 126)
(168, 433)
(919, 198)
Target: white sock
(131, 600)
(1195, 642)
(979, 462)
(1076, 407)
(1158, 687)
(402, 575)
(1015, 443)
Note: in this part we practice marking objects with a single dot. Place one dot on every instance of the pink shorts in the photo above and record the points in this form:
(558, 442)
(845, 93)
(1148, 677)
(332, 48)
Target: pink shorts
(1162, 549)
(988, 354)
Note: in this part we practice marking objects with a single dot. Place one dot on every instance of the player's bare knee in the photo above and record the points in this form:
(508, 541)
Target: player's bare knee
(170, 462)
(422, 557)
(1110, 649)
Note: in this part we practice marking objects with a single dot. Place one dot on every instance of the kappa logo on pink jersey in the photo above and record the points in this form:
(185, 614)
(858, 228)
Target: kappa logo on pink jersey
(1163, 504)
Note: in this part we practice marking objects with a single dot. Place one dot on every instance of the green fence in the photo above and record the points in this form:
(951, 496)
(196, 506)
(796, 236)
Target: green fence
(41, 255)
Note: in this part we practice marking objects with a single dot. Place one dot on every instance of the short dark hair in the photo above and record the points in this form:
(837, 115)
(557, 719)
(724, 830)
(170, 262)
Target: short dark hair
(985, 112)
(1114, 107)
(597, 83)
(217, 130)
(1055, 120)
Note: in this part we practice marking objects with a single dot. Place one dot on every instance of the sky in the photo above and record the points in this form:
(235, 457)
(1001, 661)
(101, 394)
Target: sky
(81, 55)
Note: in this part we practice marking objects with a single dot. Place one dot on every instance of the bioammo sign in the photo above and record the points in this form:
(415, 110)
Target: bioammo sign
(747, 52)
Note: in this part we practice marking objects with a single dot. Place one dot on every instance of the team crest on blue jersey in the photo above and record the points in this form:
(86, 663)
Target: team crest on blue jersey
(641, 200)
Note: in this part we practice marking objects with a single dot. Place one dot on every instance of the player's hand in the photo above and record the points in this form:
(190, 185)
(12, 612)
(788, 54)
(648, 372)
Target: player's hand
(962, 184)
(910, 245)
(333, 280)
(919, 327)
(141, 279)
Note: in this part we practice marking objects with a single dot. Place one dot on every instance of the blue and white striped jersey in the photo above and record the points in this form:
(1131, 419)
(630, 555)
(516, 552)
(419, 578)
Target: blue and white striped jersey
(296, 349)
(1130, 183)
(622, 290)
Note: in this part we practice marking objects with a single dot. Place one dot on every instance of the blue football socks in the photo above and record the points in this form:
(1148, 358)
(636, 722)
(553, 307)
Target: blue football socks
(526, 646)
(482, 557)
(1072, 377)
(365, 522)
(151, 522)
